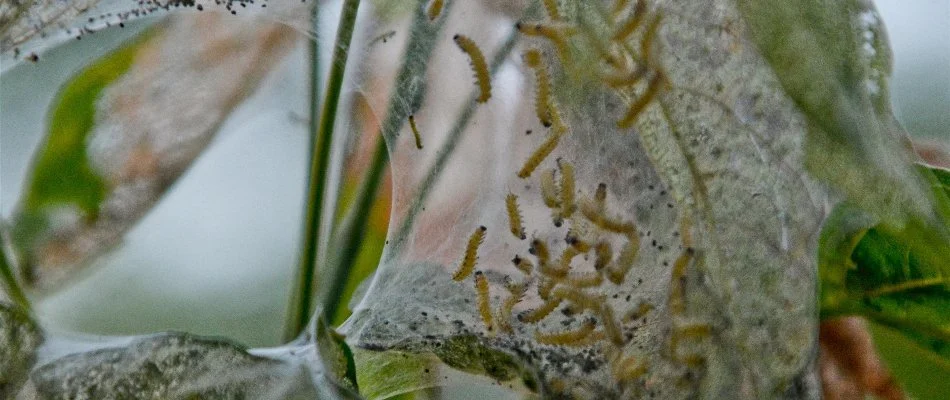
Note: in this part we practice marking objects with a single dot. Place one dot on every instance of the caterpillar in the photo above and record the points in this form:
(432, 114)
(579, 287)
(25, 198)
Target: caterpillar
(677, 278)
(516, 293)
(632, 23)
(569, 337)
(478, 64)
(597, 216)
(542, 152)
(610, 324)
(584, 279)
(550, 6)
(567, 188)
(578, 297)
(626, 369)
(563, 266)
(514, 216)
(415, 131)
(539, 313)
(556, 34)
(698, 331)
(573, 239)
(549, 189)
(638, 312)
(484, 304)
(523, 265)
(542, 97)
(540, 250)
(617, 271)
(435, 9)
(471, 255)
(657, 82)
(604, 254)
(545, 285)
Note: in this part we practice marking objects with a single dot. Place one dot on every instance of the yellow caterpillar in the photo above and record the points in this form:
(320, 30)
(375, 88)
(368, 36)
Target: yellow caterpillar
(478, 65)
(514, 216)
(567, 188)
(542, 152)
(415, 131)
(523, 265)
(484, 304)
(539, 313)
(435, 9)
(471, 255)
(542, 97)
(569, 337)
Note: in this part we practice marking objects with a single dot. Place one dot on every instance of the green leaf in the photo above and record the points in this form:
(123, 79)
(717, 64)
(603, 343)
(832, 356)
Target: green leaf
(833, 60)
(392, 373)
(336, 355)
(886, 275)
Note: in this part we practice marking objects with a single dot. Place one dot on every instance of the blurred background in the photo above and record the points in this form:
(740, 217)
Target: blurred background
(217, 254)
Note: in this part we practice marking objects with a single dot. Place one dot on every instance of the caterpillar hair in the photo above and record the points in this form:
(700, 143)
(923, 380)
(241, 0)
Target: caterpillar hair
(514, 216)
(471, 255)
(478, 65)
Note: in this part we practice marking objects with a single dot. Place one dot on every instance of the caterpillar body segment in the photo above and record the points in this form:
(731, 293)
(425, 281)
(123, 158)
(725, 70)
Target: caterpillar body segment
(657, 82)
(471, 255)
(415, 131)
(542, 97)
(541, 153)
(539, 249)
(555, 33)
(677, 277)
(516, 293)
(567, 189)
(435, 9)
(551, 8)
(514, 216)
(568, 337)
(638, 312)
(611, 328)
(483, 300)
(633, 22)
(549, 192)
(617, 271)
(482, 76)
(584, 279)
(539, 313)
(604, 255)
(524, 265)
(597, 216)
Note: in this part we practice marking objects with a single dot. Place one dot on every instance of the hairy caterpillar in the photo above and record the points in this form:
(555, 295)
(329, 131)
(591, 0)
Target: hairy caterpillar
(573, 239)
(677, 276)
(523, 265)
(516, 292)
(550, 6)
(578, 297)
(471, 254)
(638, 312)
(657, 82)
(539, 313)
(610, 324)
(626, 369)
(514, 216)
(542, 97)
(435, 9)
(478, 64)
(567, 188)
(540, 250)
(563, 266)
(556, 34)
(632, 23)
(549, 189)
(569, 337)
(604, 254)
(545, 285)
(484, 304)
(415, 131)
(542, 152)
(584, 279)
(617, 271)
(597, 216)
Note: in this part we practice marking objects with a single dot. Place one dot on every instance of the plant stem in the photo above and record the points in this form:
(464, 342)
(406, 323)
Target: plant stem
(352, 233)
(301, 306)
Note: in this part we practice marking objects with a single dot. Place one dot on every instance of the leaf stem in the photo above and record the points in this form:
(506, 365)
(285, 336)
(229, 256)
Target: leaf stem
(349, 239)
(301, 302)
